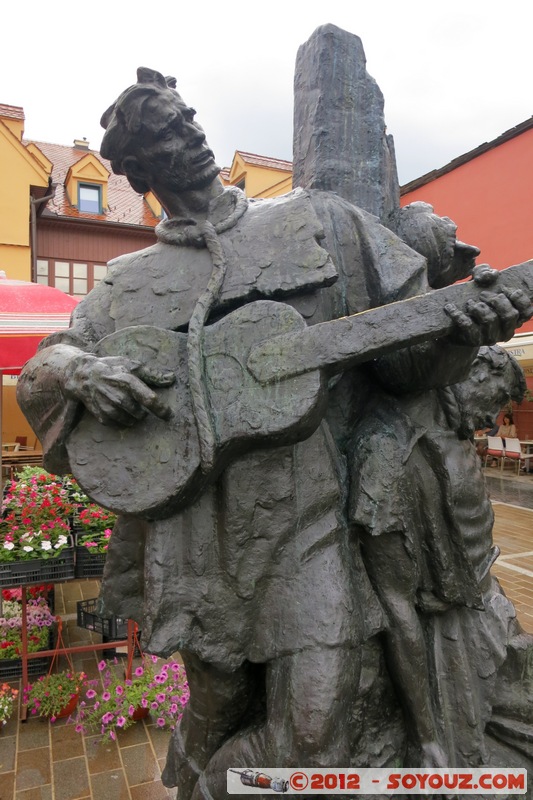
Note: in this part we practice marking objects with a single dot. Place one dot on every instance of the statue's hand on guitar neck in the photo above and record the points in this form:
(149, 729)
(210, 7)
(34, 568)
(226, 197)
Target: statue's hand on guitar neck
(116, 390)
(492, 318)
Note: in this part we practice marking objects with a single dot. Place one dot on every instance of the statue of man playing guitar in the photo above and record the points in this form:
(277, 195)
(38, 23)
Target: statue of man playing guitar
(233, 544)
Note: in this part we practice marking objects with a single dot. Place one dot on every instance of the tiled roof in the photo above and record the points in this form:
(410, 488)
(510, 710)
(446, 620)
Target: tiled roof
(124, 204)
(11, 112)
(265, 161)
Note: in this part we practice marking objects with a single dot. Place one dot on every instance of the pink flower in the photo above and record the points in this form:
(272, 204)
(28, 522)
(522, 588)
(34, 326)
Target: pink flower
(101, 665)
(121, 721)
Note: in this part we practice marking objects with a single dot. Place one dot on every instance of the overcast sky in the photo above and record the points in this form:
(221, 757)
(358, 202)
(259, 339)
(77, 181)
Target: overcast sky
(454, 74)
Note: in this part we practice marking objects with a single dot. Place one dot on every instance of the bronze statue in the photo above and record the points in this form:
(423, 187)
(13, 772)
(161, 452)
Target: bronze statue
(235, 545)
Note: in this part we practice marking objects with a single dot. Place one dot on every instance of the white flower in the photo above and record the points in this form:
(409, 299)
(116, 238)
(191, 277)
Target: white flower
(62, 539)
(8, 545)
(46, 545)
(28, 548)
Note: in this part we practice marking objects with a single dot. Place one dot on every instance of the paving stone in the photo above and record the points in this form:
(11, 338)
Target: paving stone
(8, 752)
(101, 756)
(71, 781)
(151, 791)
(7, 785)
(33, 768)
(33, 733)
(66, 743)
(140, 764)
(110, 786)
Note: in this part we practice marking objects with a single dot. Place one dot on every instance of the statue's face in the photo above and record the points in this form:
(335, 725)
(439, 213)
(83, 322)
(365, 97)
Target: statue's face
(485, 392)
(172, 150)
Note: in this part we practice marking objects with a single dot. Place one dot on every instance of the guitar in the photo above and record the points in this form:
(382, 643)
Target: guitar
(265, 376)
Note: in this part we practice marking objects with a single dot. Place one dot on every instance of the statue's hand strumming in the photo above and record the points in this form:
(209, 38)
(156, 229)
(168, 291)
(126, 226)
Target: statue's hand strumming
(116, 390)
(492, 318)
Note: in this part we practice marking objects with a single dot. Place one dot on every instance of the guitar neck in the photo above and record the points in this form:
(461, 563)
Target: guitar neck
(343, 343)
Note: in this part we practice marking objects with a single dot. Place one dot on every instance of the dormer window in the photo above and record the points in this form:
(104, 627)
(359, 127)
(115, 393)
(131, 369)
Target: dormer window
(89, 198)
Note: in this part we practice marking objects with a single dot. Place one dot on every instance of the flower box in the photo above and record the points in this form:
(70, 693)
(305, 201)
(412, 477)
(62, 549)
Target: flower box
(11, 668)
(88, 565)
(111, 627)
(38, 570)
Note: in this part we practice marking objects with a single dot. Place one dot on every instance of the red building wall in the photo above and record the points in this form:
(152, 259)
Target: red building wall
(490, 198)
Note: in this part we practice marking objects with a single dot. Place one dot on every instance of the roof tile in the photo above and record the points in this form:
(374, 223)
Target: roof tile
(124, 204)
(11, 112)
(265, 161)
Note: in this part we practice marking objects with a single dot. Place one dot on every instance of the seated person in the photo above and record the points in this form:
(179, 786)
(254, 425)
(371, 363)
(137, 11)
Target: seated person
(507, 429)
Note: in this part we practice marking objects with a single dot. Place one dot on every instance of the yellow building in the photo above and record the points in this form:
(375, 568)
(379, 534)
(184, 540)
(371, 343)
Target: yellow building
(25, 181)
(258, 176)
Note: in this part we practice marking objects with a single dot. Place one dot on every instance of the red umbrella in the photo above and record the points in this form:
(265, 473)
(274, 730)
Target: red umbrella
(28, 313)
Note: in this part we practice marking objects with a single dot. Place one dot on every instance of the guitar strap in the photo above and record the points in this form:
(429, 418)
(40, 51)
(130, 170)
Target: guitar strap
(195, 338)
(203, 234)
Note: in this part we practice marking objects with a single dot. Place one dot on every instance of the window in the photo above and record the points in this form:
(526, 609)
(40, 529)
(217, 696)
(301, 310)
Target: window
(89, 198)
(72, 277)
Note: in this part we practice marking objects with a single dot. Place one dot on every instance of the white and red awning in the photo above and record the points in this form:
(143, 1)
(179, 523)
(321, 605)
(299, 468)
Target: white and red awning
(28, 313)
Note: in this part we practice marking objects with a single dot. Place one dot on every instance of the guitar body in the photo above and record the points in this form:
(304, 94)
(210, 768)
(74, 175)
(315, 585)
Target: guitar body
(154, 468)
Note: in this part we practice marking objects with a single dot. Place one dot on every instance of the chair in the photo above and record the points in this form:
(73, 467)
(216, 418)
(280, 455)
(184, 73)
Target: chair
(513, 452)
(495, 449)
(11, 447)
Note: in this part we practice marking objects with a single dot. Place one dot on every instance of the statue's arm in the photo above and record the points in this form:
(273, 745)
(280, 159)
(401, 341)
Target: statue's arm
(41, 389)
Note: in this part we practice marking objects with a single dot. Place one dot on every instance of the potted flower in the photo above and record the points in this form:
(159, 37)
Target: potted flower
(35, 530)
(45, 590)
(94, 527)
(37, 496)
(8, 695)
(26, 541)
(114, 703)
(93, 520)
(40, 623)
(54, 695)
